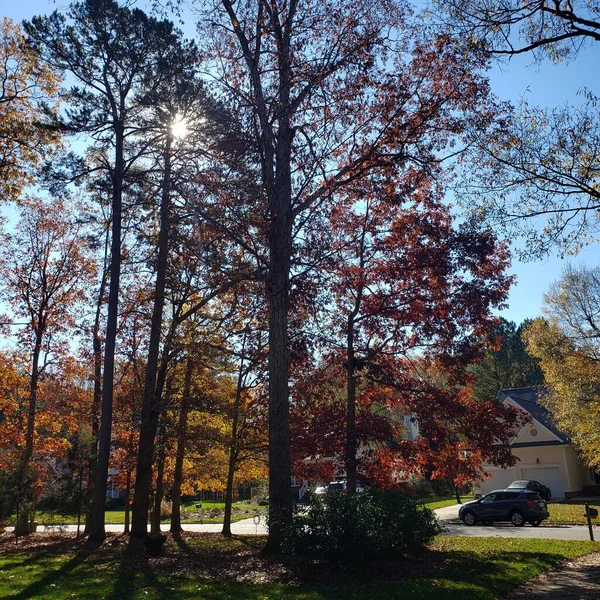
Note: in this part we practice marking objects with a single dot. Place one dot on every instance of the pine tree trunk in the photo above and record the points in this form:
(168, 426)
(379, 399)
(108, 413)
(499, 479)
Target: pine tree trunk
(159, 492)
(181, 433)
(97, 529)
(97, 400)
(143, 482)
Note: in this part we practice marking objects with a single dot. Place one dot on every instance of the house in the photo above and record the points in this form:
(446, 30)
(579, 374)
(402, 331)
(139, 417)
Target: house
(545, 453)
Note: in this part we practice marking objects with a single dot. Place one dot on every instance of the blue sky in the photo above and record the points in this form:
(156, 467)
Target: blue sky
(546, 85)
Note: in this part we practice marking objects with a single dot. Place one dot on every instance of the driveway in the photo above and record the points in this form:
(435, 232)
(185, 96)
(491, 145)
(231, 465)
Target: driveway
(556, 532)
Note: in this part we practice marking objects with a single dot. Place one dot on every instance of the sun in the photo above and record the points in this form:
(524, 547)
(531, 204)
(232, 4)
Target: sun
(179, 127)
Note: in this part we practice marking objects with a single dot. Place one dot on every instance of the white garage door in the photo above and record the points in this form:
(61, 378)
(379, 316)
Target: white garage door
(549, 476)
(499, 479)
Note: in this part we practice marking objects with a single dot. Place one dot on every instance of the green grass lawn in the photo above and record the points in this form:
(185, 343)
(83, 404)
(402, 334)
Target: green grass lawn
(212, 568)
(212, 512)
(443, 502)
(563, 512)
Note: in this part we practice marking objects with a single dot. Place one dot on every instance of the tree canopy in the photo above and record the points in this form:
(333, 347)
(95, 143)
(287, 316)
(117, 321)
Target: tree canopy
(567, 343)
(27, 84)
(506, 362)
(269, 213)
(537, 174)
(557, 29)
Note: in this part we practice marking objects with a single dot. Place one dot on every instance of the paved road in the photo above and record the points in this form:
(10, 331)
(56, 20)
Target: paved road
(445, 515)
(557, 532)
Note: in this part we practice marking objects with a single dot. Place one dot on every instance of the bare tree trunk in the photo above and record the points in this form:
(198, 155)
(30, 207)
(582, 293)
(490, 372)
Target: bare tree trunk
(351, 441)
(97, 399)
(26, 478)
(143, 482)
(351, 410)
(280, 501)
(233, 445)
(457, 494)
(276, 152)
(181, 432)
(159, 493)
(127, 496)
(97, 529)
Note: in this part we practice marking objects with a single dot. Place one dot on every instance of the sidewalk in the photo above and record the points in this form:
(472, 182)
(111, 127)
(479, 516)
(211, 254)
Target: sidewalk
(448, 513)
(578, 579)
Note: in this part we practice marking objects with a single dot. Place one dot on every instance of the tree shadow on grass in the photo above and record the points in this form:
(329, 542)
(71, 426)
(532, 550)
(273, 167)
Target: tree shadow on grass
(135, 573)
(581, 581)
(38, 587)
(25, 557)
(179, 539)
(496, 574)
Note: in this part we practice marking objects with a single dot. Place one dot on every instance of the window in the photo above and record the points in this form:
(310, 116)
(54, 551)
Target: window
(488, 498)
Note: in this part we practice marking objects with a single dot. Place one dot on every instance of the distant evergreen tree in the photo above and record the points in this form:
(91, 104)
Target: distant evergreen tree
(507, 364)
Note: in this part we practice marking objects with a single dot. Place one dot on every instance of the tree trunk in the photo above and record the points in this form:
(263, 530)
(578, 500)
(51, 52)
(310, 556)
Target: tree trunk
(127, 496)
(143, 482)
(351, 442)
(97, 529)
(280, 501)
(351, 411)
(181, 432)
(457, 493)
(97, 399)
(159, 493)
(276, 151)
(233, 446)
(26, 476)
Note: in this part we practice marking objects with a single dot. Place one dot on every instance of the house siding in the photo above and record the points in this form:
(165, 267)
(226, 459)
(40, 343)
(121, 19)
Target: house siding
(579, 476)
(543, 452)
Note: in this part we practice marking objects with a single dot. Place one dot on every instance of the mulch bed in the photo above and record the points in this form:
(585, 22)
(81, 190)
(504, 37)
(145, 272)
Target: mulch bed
(210, 556)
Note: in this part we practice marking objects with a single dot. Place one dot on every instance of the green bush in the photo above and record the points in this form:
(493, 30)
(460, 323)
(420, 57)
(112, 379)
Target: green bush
(442, 488)
(421, 487)
(352, 528)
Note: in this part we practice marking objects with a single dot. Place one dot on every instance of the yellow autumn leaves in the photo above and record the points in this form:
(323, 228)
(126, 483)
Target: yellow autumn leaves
(25, 83)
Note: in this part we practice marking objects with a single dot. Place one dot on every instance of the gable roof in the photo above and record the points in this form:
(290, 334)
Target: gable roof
(528, 399)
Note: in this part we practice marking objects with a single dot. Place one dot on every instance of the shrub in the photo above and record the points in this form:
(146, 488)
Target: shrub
(166, 510)
(351, 528)
(442, 487)
(421, 487)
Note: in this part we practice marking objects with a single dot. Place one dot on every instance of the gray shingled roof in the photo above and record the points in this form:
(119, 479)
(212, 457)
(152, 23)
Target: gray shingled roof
(528, 399)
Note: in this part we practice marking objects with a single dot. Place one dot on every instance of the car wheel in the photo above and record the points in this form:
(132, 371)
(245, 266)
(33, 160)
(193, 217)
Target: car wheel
(469, 517)
(536, 523)
(517, 519)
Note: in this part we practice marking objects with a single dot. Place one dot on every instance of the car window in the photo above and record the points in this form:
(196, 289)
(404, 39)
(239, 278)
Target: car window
(517, 485)
(534, 485)
(489, 498)
(510, 495)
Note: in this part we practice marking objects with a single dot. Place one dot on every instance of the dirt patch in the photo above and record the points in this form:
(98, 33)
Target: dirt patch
(577, 579)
